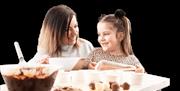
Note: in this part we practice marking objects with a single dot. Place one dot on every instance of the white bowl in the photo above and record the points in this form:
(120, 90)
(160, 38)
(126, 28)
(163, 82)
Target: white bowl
(66, 63)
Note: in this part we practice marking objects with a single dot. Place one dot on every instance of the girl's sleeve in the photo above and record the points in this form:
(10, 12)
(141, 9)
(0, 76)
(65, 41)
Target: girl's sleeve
(91, 56)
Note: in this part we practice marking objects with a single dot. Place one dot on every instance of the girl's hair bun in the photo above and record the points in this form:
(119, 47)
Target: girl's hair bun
(119, 13)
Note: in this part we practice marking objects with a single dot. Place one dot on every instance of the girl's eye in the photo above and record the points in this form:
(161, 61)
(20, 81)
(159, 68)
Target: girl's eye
(98, 34)
(106, 33)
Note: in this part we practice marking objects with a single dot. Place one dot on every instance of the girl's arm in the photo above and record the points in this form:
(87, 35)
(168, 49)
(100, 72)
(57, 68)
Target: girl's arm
(108, 65)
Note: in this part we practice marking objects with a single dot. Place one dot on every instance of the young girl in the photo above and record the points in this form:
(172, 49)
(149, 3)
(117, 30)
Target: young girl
(114, 37)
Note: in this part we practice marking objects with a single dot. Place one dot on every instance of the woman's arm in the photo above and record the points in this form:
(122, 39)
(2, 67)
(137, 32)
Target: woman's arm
(81, 64)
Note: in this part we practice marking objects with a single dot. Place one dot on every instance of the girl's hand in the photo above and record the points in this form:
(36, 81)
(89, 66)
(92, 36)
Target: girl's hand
(140, 69)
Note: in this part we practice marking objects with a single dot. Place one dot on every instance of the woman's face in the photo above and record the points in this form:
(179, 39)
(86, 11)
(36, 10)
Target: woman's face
(108, 37)
(70, 37)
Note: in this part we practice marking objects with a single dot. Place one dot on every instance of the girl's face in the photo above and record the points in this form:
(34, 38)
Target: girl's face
(71, 36)
(108, 37)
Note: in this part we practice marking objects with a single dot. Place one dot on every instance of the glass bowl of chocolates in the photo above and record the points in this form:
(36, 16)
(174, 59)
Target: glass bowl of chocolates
(29, 77)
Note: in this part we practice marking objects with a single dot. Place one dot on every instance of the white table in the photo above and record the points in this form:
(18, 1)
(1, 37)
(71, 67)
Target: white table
(152, 83)
(138, 82)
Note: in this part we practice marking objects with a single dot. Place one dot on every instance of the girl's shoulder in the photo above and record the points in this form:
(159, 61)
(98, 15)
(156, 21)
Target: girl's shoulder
(132, 56)
(98, 50)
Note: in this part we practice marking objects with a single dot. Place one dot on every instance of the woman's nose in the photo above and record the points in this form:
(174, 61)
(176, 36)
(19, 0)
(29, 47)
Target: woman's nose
(75, 31)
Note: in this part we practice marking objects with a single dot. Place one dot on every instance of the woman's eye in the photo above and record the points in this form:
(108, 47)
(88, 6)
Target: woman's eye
(70, 29)
(75, 26)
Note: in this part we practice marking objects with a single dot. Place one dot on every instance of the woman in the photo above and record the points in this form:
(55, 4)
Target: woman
(59, 36)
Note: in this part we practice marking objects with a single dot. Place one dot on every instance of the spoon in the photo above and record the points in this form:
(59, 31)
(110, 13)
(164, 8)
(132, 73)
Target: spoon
(19, 53)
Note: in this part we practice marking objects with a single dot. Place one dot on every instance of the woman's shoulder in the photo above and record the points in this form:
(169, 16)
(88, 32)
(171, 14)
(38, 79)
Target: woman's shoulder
(84, 41)
(85, 44)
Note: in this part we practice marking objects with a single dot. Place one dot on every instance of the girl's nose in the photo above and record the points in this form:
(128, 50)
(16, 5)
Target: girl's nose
(101, 38)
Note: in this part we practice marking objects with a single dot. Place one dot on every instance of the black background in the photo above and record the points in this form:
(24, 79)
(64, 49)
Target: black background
(154, 34)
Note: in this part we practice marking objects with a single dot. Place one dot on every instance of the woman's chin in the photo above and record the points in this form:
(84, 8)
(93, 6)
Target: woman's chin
(72, 42)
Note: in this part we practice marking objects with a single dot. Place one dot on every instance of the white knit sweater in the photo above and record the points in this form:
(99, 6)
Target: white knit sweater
(83, 50)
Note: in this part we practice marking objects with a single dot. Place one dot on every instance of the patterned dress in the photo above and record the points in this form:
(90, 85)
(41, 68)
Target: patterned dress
(98, 54)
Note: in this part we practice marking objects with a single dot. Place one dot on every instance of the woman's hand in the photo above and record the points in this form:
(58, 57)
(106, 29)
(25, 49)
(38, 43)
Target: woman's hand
(44, 60)
(91, 65)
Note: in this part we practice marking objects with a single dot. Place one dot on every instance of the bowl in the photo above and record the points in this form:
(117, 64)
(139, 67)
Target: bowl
(66, 63)
(29, 77)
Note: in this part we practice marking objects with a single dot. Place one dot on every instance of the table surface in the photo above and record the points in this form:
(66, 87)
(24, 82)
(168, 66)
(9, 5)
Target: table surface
(138, 82)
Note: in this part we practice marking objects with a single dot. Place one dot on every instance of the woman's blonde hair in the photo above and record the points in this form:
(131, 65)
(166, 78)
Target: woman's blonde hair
(55, 24)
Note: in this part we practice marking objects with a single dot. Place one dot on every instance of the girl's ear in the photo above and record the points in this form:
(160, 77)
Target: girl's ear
(120, 36)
